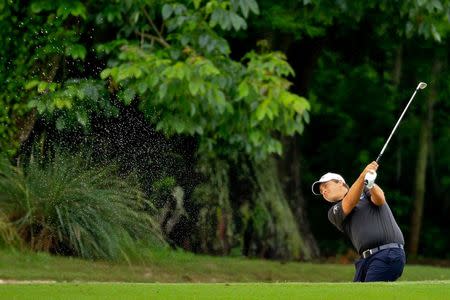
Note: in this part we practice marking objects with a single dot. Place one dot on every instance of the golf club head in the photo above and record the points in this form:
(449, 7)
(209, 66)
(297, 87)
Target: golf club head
(422, 85)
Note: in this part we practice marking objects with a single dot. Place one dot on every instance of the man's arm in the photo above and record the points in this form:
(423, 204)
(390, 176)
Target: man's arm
(377, 195)
(352, 198)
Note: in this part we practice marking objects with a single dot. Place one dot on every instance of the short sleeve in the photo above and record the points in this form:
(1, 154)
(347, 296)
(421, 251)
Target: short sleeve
(336, 216)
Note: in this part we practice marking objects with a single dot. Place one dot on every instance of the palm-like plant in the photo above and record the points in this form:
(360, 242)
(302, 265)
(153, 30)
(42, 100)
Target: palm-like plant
(8, 233)
(67, 206)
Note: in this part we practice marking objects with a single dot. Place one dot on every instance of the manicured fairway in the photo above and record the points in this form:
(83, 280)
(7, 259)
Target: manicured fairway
(399, 290)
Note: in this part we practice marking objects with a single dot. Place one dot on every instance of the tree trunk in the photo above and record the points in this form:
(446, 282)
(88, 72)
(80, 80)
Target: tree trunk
(397, 75)
(282, 237)
(421, 165)
(289, 170)
(302, 56)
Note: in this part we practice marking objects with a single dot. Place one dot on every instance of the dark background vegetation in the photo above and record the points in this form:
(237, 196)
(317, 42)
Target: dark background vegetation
(222, 114)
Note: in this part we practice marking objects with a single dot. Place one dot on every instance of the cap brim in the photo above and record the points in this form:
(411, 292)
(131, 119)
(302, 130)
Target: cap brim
(316, 188)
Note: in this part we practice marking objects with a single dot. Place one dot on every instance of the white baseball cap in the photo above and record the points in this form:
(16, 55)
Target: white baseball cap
(327, 177)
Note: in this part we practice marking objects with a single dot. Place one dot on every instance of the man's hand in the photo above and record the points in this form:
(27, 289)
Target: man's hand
(369, 179)
(352, 198)
(373, 166)
(377, 194)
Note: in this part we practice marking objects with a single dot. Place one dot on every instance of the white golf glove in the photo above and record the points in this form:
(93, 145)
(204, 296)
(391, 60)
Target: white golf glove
(369, 179)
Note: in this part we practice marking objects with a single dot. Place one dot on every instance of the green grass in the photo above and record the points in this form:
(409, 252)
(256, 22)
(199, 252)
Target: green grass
(173, 266)
(399, 290)
(81, 279)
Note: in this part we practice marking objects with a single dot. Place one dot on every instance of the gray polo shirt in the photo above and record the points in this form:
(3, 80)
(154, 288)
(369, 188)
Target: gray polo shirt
(367, 225)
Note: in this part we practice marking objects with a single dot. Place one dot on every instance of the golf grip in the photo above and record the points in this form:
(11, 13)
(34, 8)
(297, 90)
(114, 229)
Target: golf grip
(378, 158)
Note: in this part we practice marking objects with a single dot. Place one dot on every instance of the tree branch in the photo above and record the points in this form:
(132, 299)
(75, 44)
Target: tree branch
(155, 29)
(153, 38)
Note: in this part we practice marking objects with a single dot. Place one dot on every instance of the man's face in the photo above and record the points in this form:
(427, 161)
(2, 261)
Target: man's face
(333, 190)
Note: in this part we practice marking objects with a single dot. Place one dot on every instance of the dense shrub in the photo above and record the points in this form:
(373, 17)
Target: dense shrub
(68, 206)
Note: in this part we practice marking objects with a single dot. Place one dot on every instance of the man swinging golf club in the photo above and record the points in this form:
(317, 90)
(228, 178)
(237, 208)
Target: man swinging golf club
(362, 213)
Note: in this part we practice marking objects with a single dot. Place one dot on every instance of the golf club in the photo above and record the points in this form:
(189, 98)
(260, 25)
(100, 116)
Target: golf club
(371, 176)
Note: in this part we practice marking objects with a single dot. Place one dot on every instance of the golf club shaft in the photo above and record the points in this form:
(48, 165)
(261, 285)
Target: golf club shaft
(398, 122)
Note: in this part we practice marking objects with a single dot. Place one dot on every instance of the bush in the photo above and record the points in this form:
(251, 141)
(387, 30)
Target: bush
(67, 206)
(8, 233)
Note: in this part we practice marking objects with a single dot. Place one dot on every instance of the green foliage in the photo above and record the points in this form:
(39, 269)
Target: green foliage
(192, 86)
(310, 18)
(313, 18)
(162, 190)
(68, 206)
(40, 40)
(428, 19)
(184, 96)
(344, 116)
(183, 77)
(72, 104)
(441, 138)
(433, 243)
(12, 70)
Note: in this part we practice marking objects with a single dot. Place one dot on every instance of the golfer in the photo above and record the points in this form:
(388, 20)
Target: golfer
(365, 217)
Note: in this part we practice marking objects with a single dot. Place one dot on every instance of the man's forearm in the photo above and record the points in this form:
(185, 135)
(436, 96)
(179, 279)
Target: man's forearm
(352, 198)
(377, 195)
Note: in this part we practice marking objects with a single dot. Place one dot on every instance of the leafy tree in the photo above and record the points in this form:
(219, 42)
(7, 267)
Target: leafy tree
(188, 84)
(167, 58)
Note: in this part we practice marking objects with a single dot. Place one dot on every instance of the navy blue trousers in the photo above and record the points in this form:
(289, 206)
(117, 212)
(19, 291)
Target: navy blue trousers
(385, 265)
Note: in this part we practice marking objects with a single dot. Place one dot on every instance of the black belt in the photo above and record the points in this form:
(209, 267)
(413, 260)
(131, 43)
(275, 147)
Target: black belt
(369, 252)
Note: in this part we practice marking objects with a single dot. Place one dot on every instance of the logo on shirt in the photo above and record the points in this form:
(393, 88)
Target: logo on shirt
(335, 209)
